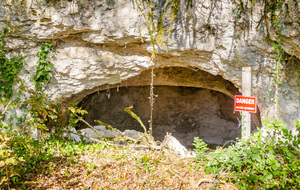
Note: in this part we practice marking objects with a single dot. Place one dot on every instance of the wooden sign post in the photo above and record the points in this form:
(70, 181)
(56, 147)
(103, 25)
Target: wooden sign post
(246, 91)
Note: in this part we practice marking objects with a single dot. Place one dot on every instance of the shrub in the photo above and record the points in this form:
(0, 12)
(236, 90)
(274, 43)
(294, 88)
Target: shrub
(267, 160)
(8, 161)
(200, 149)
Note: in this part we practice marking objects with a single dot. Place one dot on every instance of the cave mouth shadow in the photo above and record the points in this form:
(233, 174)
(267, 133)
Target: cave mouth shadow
(189, 104)
(186, 112)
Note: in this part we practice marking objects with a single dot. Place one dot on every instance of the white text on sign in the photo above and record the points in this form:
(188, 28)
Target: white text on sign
(245, 101)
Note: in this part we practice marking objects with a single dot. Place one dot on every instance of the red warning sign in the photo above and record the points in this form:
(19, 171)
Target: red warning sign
(245, 103)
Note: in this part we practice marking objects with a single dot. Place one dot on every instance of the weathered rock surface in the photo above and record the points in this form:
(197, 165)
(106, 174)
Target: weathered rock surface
(98, 47)
(132, 133)
(172, 143)
(101, 129)
(71, 135)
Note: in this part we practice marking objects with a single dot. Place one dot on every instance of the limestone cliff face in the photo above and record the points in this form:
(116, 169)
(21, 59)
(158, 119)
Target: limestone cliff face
(98, 47)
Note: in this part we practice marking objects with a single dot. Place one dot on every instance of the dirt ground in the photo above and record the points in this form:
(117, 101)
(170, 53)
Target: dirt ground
(123, 168)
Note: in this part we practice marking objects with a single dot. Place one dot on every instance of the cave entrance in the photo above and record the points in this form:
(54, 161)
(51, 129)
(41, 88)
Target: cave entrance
(204, 110)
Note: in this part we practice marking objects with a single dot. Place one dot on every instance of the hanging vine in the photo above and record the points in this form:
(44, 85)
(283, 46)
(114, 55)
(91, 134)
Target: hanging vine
(156, 28)
(272, 21)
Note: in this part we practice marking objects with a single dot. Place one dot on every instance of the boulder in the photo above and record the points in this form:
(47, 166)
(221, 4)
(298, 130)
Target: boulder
(132, 133)
(101, 129)
(176, 146)
(71, 136)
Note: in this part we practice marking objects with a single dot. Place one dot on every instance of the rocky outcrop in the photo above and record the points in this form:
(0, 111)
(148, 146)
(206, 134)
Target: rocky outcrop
(98, 47)
(101, 129)
(70, 135)
(107, 134)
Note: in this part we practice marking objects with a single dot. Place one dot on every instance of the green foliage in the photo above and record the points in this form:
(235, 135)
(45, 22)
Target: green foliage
(21, 154)
(200, 149)
(42, 112)
(145, 162)
(8, 161)
(43, 70)
(76, 114)
(267, 160)
(9, 68)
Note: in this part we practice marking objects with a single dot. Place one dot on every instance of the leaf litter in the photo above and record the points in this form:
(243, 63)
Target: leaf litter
(113, 167)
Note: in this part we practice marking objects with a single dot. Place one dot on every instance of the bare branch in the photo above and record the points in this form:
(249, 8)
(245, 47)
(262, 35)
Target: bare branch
(5, 107)
(90, 126)
(132, 114)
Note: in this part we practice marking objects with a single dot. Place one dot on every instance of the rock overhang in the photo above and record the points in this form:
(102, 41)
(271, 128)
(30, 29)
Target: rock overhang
(189, 103)
(99, 45)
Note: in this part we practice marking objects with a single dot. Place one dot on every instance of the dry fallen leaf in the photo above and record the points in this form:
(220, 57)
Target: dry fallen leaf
(123, 168)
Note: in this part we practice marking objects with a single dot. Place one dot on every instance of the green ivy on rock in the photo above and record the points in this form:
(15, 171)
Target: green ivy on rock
(9, 68)
(43, 70)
